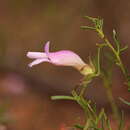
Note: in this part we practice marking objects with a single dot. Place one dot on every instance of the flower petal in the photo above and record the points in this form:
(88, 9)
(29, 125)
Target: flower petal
(46, 48)
(66, 58)
(36, 55)
(38, 61)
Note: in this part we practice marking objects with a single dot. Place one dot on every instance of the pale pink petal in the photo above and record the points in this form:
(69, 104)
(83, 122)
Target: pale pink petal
(46, 48)
(66, 58)
(36, 55)
(38, 61)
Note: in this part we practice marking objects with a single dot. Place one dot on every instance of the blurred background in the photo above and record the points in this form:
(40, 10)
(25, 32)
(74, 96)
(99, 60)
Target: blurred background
(25, 25)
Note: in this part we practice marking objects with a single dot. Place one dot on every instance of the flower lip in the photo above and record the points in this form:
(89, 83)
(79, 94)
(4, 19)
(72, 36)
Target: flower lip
(38, 61)
(36, 55)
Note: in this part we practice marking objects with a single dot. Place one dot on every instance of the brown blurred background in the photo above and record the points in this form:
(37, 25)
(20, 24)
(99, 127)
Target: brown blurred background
(25, 25)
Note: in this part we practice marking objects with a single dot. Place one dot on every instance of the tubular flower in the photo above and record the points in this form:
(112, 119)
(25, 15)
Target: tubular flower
(60, 58)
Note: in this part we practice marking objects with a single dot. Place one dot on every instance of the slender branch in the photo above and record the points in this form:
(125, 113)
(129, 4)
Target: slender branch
(117, 56)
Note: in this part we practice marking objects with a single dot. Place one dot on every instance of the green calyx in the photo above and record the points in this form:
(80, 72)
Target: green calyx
(86, 70)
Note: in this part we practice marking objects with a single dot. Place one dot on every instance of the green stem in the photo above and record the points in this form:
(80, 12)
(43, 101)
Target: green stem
(85, 83)
(102, 36)
(83, 90)
(117, 56)
(98, 68)
(111, 99)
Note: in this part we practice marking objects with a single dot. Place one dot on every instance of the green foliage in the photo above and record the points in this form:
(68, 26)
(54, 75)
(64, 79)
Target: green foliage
(98, 25)
(116, 51)
(98, 120)
(119, 50)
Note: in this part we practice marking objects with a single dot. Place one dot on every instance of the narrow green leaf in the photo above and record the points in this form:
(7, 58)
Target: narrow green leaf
(99, 24)
(87, 27)
(116, 41)
(100, 115)
(62, 97)
(91, 62)
(124, 101)
(98, 61)
(95, 108)
(90, 18)
(124, 48)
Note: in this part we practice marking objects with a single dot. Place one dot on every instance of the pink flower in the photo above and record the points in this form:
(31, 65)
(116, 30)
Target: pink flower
(60, 58)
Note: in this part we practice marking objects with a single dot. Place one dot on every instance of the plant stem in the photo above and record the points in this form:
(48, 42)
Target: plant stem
(84, 86)
(117, 56)
(111, 99)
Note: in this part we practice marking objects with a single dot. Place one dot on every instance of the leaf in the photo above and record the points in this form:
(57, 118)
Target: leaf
(101, 114)
(98, 23)
(118, 44)
(90, 18)
(95, 62)
(62, 97)
(124, 101)
(116, 41)
(124, 48)
(87, 27)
